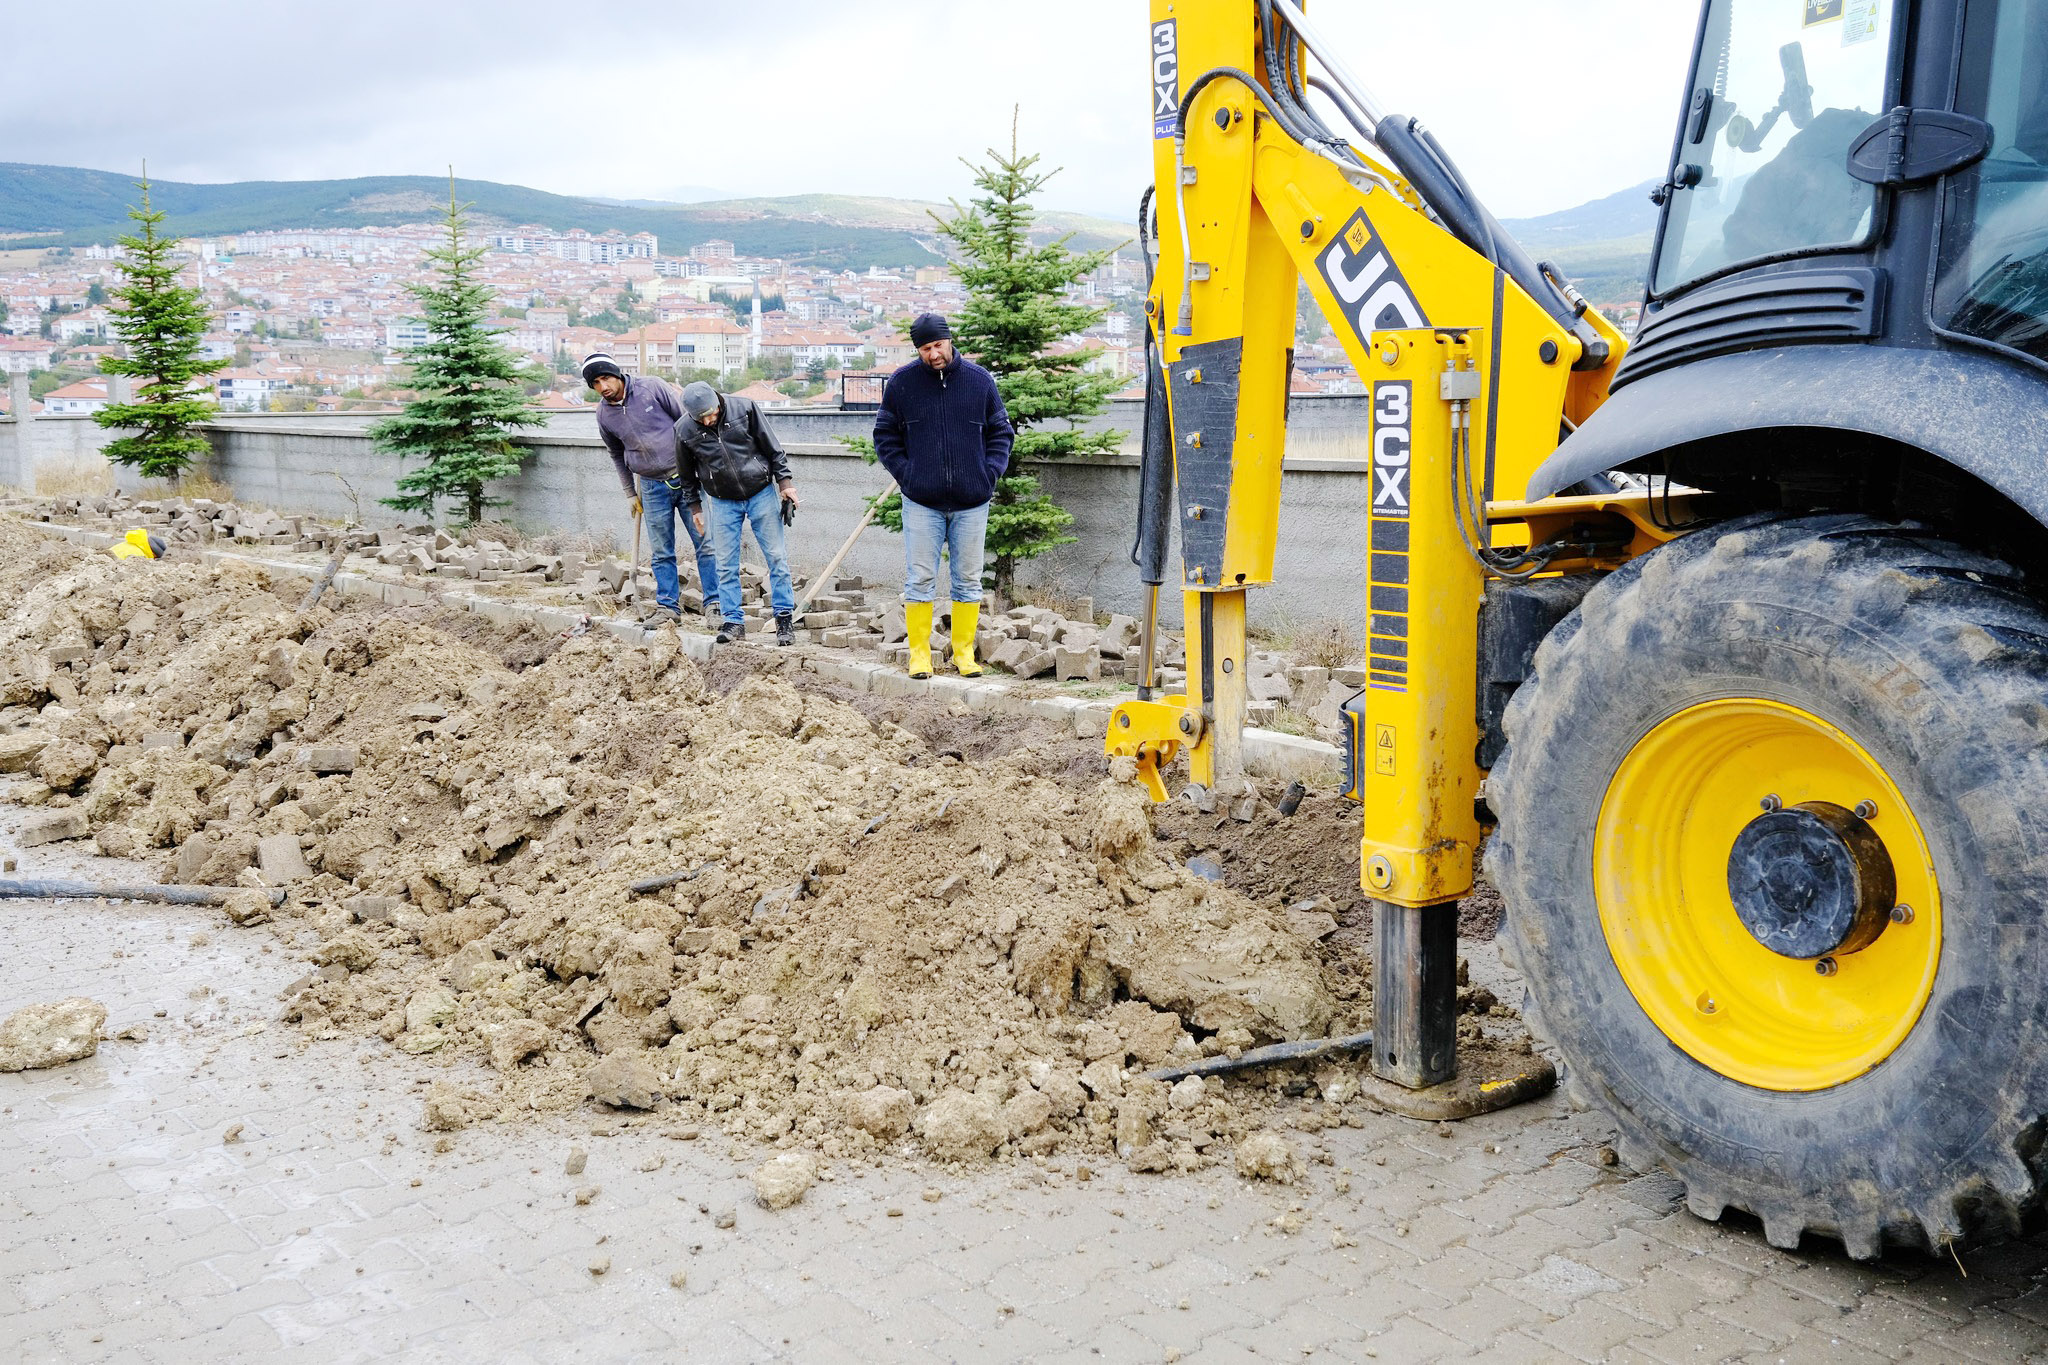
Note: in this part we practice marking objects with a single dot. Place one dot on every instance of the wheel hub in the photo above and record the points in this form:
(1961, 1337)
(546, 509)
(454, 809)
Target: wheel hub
(1811, 881)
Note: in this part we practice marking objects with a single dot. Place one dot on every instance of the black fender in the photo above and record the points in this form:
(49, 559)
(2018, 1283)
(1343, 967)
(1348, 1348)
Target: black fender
(1982, 414)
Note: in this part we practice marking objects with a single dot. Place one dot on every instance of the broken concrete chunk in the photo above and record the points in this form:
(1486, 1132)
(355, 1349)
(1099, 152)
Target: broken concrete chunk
(372, 909)
(340, 758)
(625, 1079)
(37, 1036)
(19, 751)
(50, 827)
(281, 859)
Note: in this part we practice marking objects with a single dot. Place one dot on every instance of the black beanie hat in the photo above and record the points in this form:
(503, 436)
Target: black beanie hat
(597, 365)
(927, 328)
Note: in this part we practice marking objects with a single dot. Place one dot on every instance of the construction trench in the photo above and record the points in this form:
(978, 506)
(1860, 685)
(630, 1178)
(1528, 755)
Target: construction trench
(864, 927)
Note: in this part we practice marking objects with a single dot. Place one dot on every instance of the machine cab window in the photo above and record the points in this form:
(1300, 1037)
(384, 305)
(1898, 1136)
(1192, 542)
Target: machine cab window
(1781, 90)
(1993, 279)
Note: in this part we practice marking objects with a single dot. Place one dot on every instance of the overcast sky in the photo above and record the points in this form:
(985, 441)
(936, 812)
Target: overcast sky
(1545, 103)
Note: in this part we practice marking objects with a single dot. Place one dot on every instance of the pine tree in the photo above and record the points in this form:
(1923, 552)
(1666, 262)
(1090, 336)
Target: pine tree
(162, 324)
(469, 393)
(1017, 307)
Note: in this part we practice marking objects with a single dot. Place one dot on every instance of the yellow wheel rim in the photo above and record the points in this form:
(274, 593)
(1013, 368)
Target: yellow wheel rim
(1660, 877)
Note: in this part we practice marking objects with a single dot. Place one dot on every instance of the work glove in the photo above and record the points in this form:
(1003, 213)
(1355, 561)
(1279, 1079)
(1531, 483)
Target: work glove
(635, 505)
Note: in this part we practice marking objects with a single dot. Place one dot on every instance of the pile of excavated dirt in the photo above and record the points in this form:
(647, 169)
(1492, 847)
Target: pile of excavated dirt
(876, 945)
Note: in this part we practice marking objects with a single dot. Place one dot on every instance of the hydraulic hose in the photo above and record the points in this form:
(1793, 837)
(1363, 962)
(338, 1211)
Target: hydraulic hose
(1155, 467)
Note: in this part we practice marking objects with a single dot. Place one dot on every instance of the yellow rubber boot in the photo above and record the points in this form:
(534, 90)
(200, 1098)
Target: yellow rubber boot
(965, 617)
(917, 623)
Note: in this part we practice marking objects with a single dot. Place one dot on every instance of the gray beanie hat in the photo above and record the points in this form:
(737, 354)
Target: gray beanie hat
(699, 398)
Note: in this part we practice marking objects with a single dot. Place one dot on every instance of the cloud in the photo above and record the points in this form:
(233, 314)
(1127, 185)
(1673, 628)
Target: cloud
(1545, 105)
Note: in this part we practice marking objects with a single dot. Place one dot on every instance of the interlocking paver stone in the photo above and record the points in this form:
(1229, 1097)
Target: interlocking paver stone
(185, 1248)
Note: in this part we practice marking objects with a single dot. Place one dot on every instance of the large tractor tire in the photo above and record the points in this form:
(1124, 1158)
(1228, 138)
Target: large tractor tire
(1774, 844)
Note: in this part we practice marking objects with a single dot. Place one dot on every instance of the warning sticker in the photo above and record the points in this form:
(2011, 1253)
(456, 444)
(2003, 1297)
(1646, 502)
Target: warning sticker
(1822, 11)
(1383, 750)
(1862, 20)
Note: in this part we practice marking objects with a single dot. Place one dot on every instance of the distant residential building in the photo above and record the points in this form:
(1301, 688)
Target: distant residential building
(407, 334)
(93, 322)
(698, 343)
(246, 390)
(713, 252)
(891, 349)
(20, 357)
(805, 348)
(578, 245)
(82, 399)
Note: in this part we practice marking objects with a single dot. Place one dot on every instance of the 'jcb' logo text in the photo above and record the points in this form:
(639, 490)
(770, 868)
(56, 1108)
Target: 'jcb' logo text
(1391, 421)
(1368, 285)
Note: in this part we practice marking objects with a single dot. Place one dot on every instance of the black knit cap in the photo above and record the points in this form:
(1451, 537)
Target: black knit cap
(927, 328)
(597, 365)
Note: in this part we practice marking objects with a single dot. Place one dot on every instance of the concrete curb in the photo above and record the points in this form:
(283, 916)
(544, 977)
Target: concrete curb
(1267, 753)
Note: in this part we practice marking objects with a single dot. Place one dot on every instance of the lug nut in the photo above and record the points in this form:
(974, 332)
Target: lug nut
(1902, 914)
(1770, 803)
(1827, 966)
(1865, 810)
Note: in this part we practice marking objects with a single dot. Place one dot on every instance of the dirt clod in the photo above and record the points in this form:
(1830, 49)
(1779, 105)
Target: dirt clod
(783, 1179)
(1265, 1155)
(38, 1036)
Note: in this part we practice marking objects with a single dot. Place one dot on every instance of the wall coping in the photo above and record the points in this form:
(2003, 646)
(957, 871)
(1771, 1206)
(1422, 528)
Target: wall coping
(1293, 464)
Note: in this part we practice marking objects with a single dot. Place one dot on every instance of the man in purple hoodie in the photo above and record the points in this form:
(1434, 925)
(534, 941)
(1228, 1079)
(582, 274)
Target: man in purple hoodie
(636, 419)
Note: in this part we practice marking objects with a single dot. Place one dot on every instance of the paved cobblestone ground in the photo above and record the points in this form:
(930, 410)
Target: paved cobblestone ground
(332, 1229)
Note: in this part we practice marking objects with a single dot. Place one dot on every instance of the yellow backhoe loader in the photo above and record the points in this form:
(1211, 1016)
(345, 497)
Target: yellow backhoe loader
(1729, 640)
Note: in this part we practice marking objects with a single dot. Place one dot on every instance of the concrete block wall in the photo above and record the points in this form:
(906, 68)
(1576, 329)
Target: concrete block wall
(568, 485)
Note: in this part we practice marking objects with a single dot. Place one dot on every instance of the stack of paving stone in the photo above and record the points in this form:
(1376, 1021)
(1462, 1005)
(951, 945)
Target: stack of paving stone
(194, 521)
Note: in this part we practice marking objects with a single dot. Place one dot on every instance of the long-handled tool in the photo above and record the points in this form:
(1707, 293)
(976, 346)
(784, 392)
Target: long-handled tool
(825, 574)
(635, 579)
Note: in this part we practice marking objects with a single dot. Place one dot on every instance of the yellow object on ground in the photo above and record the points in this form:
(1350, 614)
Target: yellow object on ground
(966, 615)
(1660, 875)
(917, 620)
(137, 544)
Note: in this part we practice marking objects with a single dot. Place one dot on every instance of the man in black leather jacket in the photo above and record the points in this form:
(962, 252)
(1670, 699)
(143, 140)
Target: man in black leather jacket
(735, 473)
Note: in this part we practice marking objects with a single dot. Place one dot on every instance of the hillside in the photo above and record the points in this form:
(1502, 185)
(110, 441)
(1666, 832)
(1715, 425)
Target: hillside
(66, 206)
(1603, 245)
(1089, 233)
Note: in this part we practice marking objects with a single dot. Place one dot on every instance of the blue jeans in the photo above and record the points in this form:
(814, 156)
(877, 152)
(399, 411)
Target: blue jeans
(723, 519)
(660, 508)
(925, 531)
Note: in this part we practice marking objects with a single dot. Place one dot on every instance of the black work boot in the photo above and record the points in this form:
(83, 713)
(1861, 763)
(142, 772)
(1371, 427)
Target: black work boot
(730, 632)
(785, 629)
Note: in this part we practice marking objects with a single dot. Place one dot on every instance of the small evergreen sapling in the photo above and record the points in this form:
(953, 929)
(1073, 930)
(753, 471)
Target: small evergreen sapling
(470, 398)
(162, 324)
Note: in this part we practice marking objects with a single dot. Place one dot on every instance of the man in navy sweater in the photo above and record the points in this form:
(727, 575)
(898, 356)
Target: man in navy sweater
(636, 420)
(943, 435)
